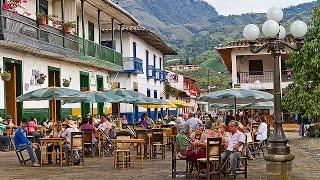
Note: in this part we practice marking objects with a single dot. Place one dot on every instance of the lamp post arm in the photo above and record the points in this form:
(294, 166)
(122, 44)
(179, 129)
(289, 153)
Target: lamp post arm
(255, 49)
(296, 47)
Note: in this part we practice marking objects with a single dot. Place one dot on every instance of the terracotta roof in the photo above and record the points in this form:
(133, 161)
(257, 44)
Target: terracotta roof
(245, 43)
(149, 37)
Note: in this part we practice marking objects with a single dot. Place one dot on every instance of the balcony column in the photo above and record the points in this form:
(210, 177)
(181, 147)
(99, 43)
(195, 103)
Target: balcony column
(62, 19)
(112, 38)
(37, 11)
(234, 69)
(121, 36)
(82, 24)
(99, 25)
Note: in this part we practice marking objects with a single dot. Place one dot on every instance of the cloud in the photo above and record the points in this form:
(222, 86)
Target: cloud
(228, 7)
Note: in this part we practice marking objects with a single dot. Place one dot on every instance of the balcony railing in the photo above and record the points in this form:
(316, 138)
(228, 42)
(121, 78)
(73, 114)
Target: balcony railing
(263, 76)
(162, 76)
(150, 71)
(24, 30)
(132, 65)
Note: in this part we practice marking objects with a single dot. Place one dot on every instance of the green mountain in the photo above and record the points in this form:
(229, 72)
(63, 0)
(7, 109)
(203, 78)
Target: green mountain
(194, 28)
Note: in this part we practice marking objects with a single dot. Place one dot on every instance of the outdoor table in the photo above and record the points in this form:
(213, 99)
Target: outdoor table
(46, 141)
(128, 141)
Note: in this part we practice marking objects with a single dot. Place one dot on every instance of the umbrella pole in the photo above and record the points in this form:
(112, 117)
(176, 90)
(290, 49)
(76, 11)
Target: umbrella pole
(133, 113)
(92, 109)
(235, 107)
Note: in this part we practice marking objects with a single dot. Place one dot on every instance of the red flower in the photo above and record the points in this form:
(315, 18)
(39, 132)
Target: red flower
(6, 6)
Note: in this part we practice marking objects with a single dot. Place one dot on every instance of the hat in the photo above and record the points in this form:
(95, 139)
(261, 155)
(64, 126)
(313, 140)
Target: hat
(1, 120)
(69, 117)
(8, 117)
(79, 116)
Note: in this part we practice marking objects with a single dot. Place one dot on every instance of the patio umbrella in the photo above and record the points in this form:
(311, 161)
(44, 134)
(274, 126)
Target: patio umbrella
(131, 97)
(96, 97)
(260, 105)
(233, 95)
(51, 93)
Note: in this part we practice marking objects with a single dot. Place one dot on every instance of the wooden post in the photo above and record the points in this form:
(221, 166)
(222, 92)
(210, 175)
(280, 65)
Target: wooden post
(112, 38)
(63, 20)
(99, 25)
(82, 24)
(37, 11)
(121, 36)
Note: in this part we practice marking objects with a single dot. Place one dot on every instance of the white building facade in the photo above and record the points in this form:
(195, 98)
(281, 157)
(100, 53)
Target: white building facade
(143, 53)
(40, 56)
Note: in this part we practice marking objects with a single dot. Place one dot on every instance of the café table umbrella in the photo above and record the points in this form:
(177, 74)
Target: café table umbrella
(230, 96)
(260, 105)
(51, 93)
(96, 97)
(130, 97)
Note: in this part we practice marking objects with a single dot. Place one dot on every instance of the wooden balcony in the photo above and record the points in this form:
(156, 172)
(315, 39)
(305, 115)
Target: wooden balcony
(24, 32)
(263, 76)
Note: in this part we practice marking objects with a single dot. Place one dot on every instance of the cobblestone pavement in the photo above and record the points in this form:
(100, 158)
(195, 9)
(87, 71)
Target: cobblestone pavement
(306, 165)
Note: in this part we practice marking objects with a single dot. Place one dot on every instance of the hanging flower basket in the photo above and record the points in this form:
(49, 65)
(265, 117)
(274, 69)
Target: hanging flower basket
(42, 18)
(42, 21)
(67, 30)
(5, 76)
(41, 80)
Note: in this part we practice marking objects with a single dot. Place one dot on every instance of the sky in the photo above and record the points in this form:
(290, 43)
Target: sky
(228, 7)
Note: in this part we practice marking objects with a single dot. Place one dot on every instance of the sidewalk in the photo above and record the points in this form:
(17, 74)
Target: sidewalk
(305, 166)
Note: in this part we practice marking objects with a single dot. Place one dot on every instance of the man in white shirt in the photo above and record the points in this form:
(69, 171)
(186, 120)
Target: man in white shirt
(193, 122)
(234, 145)
(262, 132)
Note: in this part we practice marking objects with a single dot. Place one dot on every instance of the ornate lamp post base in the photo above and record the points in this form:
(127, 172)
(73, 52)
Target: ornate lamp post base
(279, 166)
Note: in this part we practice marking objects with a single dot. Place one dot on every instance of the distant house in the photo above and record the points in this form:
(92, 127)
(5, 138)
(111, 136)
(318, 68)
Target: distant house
(183, 68)
(143, 65)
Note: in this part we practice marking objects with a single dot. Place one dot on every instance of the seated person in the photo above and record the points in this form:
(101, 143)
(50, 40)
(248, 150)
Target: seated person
(262, 131)
(233, 145)
(87, 127)
(209, 131)
(8, 122)
(21, 142)
(67, 135)
(183, 140)
(32, 127)
(4, 139)
(146, 122)
(55, 133)
(107, 126)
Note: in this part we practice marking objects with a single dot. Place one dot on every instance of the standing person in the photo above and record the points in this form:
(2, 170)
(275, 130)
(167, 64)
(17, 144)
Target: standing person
(234, 145)
(193, 122)
(21, 142)
(4, 139)
(262, 131)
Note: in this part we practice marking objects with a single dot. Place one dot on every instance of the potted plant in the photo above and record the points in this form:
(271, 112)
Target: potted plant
(66, 82)
(68, 26)
(41, 78)
(5, 75)
(42, 18)
(55, 21)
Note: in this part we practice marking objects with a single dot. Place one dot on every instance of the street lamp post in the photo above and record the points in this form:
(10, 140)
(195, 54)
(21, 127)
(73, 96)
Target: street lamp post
(275, 44)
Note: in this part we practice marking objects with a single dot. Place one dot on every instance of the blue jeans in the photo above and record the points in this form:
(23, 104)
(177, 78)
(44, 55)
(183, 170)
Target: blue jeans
(234, 156)
(34, 154)
(5, 142)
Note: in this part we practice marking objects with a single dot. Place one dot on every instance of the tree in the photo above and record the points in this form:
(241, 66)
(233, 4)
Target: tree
(188, 61)
(305, 65)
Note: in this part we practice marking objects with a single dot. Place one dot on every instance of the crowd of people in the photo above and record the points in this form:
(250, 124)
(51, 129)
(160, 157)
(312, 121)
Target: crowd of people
(194, 129)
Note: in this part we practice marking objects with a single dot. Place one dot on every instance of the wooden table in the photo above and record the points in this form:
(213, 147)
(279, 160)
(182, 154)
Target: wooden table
(46, 141)
(128, 141)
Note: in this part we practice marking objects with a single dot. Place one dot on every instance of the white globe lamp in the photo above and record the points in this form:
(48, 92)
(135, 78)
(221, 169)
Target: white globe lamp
(270, 28)
(282, 32)
(298, 29)
(275, 13)
(251, 32)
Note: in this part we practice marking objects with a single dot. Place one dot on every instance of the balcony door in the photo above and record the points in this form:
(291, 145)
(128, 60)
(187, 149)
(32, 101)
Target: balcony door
(134, 50)
(13, 89)
(100, 88)
(84, 86)
(54, 81)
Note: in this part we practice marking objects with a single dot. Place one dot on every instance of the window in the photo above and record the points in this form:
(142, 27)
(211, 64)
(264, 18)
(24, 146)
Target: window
(147, 62)
(43, 6)
(134, 49)
(90, 31)
(107, 44)
(154, 60)
(160, 62)
(255, 67)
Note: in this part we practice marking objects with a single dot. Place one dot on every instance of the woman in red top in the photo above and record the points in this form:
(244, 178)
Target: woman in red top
(32, 129)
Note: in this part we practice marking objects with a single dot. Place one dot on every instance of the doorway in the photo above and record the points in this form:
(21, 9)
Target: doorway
(84, 86)
(100, 87)
(54, 81)
(13, 89)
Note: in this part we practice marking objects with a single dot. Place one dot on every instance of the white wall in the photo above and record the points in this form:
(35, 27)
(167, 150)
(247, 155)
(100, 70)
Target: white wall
(127, 80)
(67, 70)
